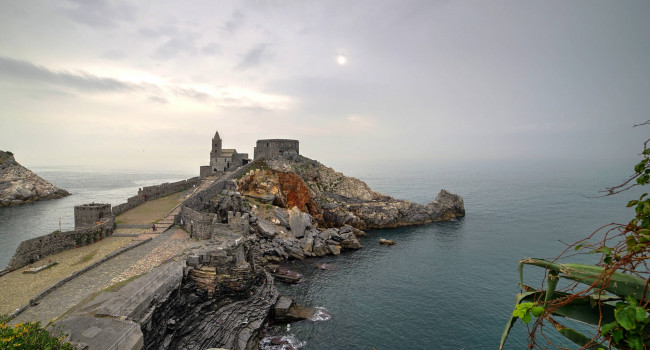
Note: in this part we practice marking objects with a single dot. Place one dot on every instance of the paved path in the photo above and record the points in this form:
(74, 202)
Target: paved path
(70, 294)
(136, 261)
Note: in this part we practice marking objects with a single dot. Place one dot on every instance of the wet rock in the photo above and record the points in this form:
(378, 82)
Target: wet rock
(285, 310)
(287, 276)
(386, 241)
(326, 266)
(334, 249)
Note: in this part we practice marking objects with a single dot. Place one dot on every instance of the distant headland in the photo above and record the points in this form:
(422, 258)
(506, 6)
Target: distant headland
(19, 185)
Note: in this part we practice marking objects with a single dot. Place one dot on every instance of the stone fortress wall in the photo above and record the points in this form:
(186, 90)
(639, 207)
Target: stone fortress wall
(272, 148)
(87, 215)
(154, 192)
(34, 249)
(86, 229)
(204, 225)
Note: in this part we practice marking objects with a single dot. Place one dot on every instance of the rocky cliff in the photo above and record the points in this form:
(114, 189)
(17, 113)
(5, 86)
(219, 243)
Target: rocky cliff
(19, 185)
(335, 200)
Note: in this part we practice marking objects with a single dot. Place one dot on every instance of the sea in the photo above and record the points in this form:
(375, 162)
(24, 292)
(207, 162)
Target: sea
(448, 285)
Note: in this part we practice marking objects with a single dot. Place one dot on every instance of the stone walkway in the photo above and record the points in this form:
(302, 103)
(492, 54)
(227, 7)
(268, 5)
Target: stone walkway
(136, 261)
(18, 288)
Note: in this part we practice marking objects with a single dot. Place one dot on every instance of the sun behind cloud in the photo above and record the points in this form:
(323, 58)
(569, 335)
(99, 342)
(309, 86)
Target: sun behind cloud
(341, 60)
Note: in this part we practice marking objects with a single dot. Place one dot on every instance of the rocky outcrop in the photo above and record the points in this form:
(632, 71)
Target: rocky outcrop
(335, 200)
(19, 185)
(223, 302)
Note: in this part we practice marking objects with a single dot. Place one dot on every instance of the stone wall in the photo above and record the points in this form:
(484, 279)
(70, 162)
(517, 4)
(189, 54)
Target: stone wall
(272, 148)
(37, 248)
(205, 171)
(154, 192)
(87, 215)
(198, 224)
(130, 204)
(158, 191)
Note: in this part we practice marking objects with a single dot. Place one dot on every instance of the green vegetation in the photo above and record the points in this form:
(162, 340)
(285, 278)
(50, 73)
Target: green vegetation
(612, 295)
(29, 336)
(86, 258)
(150, 212)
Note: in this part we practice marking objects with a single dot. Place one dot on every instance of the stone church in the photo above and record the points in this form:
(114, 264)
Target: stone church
(223, 159)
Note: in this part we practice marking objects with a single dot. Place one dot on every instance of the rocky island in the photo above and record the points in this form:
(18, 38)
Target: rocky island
(245, 217)
(19, 185)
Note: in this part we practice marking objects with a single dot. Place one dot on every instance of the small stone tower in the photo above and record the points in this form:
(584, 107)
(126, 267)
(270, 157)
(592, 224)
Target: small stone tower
(272, 148)
(86, 215)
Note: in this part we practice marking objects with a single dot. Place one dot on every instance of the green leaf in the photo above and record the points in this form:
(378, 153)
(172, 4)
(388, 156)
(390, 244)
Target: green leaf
(527, 317)
(635, 342)
(625, 317)
(639, 314)
(646, 151)
(538, 310)
(608, 327)
(617, 335)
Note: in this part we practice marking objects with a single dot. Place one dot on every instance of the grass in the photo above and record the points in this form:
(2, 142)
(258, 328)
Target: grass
(86, 258)
(150, 212)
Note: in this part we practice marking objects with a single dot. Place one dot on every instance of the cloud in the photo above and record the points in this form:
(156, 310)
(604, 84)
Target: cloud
(114, 55)
(225, 97)
(158, 99)
(254, 57)
(176, 46)
(81, 81)
(235, 22)
(211, 49)
(100, 13)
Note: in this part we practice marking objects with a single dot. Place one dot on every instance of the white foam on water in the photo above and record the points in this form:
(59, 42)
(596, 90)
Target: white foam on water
(289, 342)
(321, 315)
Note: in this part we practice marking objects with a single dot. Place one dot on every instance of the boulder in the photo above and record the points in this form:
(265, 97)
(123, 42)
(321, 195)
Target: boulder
(351, 243)
(386, 241)
(285, 310)
(298, 222)
(282, 216)
(266, 229)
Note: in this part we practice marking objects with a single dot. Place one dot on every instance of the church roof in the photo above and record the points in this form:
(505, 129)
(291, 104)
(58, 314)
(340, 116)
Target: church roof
(216, 135)
(227, 152)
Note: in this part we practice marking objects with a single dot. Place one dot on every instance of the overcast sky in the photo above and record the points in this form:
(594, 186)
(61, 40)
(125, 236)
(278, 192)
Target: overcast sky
(145, 84)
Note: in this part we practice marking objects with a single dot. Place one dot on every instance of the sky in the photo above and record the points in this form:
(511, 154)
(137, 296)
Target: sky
(145, 84)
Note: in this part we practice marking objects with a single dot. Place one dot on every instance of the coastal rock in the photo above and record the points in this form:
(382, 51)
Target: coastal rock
(282, 216)
(335, 200)
(266, 229)
(285, 310)
(18, 185)
(222, 302)
(299, 221)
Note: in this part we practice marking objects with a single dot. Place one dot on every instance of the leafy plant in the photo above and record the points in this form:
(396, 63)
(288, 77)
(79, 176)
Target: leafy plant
(30, 336)
(611, 295)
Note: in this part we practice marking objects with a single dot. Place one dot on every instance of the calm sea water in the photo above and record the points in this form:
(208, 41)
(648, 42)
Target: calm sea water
(443, 286)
